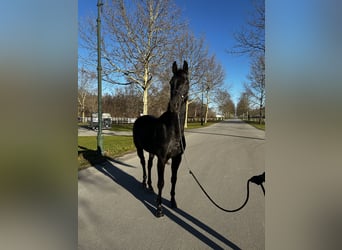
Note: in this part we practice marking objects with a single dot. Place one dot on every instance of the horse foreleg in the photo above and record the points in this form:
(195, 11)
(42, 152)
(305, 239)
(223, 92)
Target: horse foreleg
(174, 167)
(161, 167)
(149, 167)
(140, 153)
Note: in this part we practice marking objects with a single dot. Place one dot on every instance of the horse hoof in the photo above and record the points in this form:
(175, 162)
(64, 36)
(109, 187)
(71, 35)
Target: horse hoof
(173, 204)
(150, 189)
(144, 185)
(159, 213)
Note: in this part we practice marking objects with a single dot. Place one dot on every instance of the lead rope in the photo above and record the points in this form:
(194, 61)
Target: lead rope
(258, 179)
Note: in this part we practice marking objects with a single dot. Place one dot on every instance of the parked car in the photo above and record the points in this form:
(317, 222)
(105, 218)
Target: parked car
(106, 121)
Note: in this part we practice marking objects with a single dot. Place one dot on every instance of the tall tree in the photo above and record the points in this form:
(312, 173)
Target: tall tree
(242, 107)
(136, 39)
(124, 102)
(251, 38)
(256, 85)
(212, 80)
(85, 88)
(225, 104)
(193, 50)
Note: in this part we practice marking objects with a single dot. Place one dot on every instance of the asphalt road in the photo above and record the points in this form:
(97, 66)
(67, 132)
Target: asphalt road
(114, 212)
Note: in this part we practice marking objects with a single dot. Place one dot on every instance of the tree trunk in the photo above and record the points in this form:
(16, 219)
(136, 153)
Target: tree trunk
(81, 101)
(83, 118)
(206, 110)
(186, 114)
(145, 88)
(145, 97)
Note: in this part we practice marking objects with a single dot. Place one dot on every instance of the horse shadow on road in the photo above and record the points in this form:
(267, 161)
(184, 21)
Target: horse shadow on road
(109, 168)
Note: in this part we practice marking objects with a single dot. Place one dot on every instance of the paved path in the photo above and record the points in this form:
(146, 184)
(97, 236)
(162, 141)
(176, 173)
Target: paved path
(114, 212)
(82, 131)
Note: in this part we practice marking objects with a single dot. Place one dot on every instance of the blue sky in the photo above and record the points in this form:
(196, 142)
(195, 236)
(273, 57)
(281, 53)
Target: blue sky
(217, 20)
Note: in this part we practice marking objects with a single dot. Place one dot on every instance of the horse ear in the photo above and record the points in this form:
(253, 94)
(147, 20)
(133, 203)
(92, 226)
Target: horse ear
(185, 66)
(174, 67)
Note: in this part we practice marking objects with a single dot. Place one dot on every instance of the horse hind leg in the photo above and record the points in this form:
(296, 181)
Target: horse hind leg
(174, 167)
(149, 167)
(140, 153)
(161, 168)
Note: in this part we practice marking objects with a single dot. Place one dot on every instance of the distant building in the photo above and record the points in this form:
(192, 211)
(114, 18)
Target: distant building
(219, 117)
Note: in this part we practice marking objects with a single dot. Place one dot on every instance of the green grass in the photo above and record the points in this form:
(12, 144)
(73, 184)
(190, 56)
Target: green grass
(113, 146)
(256, 125)
(122, 127)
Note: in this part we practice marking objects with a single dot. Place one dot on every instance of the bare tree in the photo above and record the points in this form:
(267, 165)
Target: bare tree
(242, 108)
(124, 102)
(85, 88)
(212, 80)
(256, 85)
(193, 50)
(136, 39)
(251, 38)
(225, 103)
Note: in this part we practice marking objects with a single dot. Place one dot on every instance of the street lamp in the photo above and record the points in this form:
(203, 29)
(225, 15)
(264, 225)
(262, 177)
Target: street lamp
(202, 108)
(206, 89)
(99, 80)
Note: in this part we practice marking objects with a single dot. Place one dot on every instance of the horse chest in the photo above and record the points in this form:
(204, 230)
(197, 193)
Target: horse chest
(174, 147)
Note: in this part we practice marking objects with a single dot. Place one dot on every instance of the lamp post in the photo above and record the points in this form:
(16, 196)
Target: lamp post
(99, 80)
(202, 107)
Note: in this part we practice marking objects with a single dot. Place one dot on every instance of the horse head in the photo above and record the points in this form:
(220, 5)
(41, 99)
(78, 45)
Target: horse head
(179, 87)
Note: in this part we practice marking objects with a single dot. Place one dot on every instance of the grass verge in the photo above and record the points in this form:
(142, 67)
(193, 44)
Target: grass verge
(122, 127)
(113, 146)
(256, 125)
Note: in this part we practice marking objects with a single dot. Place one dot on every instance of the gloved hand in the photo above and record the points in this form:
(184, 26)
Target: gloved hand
(258, 179)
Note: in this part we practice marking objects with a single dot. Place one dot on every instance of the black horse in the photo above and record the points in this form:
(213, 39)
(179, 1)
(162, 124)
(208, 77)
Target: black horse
(164, 136)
